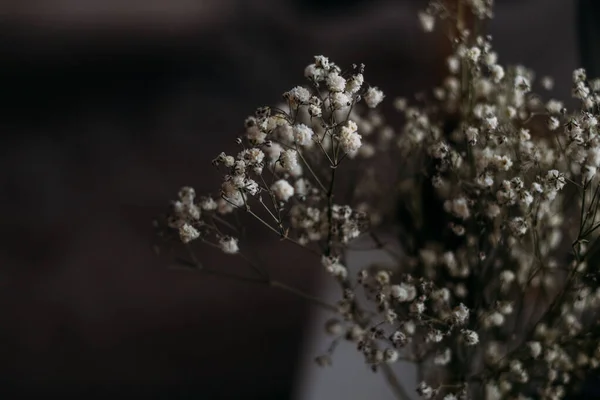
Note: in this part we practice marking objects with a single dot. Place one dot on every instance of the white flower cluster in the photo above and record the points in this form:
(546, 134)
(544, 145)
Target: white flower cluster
(284, 173)
(496, 291)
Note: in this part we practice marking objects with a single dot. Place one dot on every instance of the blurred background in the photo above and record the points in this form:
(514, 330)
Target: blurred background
(108, 108)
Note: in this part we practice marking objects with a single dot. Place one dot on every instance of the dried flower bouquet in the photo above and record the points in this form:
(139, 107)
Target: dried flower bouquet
(495, 294)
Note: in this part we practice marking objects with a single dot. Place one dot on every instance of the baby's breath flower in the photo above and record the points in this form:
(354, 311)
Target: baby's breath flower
(535, 349)
(390, 356)
(473, 54)
(335, 82)
(303, 135)
(443, 358)
(497, 73)
(354, 84)
(425, 391)
(518, 226)
(553, 123)
(472, 133)
(373, 97)
(289, 159)
(470, 337)
(400, 103)
(187, 233)
(298, 95)
(460, 208)
(334, 327)
(229, 245)
(224, 159)
(548, 83)
(579, 75)
(435, 336)
(349, 139)
(427, 21)
(208, 204)
(460, 314)
(490, 122)
(282, 190)
(340, 100)
(522, 84)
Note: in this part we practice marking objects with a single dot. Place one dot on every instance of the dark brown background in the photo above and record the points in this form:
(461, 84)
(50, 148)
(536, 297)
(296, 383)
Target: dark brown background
(108, 108)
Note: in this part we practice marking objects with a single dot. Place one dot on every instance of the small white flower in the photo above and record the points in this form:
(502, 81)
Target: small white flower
(425, 391)
(443, 358)
(518, 226)
(303, 135)
(315, 73)
(229, 245)
(334, 327)
(340, 100)
(494, 319)
(471, 337)
(354, 84)
(507, 276)
(315, 111)
(390, 356)
(289, 159)
(535, 348)
(554, 106)
(547, 82)
(460, 314)
(427, 21)
(349, 139)
(208, 204)
(298, 95)
(472, 134)
(417, 307)
(435, 336)
(224, 159)
(473, 54)
(553, 123)
(579, 75)
(490, 59)
(322, 62)
(453, 64)
(497, 73)
(522, 84)
(581, 91)
(490, 122)
(502, 162)
(373, 97)
(400, 103)
(187, 233)
(282, 190)
(556, 179)
(398, 293)
(460, 208)
(301, 187)
(335, 82)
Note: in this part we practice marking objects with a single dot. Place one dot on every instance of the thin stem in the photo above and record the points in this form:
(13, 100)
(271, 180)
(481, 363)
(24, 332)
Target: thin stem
(222, 221)
(299, 293)
(381, 245)
(263, 222)
(393, 383)
(330, 213)
(262, 281)
(255, 267)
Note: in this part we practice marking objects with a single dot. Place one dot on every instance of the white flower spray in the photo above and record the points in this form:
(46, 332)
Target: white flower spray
(496, 293)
